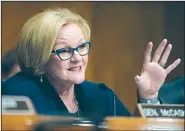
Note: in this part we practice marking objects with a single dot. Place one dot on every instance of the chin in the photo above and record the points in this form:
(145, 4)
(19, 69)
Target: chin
(78, 79)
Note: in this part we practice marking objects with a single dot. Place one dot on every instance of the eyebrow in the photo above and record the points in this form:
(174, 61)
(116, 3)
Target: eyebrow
(80, 41)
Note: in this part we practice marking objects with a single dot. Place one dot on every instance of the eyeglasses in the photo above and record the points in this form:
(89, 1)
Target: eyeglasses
(67, 53)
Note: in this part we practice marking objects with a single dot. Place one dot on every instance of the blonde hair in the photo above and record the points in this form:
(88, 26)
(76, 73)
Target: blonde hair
(38, 35)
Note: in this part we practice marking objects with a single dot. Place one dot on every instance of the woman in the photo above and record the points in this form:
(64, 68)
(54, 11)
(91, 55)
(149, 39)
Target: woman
(53, 54)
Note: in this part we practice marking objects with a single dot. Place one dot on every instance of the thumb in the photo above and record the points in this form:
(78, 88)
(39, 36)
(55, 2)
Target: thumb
(137, 80)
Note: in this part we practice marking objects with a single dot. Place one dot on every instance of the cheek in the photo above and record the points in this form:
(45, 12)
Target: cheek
(57, 62)
(59, 65)
(55, 65)
(55, 59)
(85, 59)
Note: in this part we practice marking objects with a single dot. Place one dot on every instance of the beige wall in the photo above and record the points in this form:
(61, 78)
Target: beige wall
(120, 32)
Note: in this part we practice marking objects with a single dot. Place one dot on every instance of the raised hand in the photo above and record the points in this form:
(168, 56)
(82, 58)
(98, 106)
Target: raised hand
(153, 72)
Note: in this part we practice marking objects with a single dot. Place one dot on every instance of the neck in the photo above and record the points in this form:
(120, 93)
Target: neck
(64, 89)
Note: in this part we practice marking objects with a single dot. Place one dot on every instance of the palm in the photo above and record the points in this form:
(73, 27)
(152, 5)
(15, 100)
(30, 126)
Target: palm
(153, 74)
(152, 79)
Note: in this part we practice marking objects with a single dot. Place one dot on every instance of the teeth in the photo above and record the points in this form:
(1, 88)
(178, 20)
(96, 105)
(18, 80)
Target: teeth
(75, 69)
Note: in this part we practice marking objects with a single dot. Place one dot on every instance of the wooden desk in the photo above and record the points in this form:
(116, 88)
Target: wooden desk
(134, 123)
(28, 122)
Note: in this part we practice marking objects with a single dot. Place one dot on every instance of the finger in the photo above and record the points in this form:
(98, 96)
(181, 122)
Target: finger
(147, 54)
(159, 51)
(165, 55)
(173, 66)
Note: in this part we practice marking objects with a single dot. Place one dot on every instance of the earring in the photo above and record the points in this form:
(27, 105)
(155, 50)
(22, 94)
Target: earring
(41, 80)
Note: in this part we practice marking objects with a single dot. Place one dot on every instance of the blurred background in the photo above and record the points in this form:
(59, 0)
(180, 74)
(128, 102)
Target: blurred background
(120, 33)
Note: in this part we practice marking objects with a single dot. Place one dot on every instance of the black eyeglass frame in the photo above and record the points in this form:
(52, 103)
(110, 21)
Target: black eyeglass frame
(58, 51)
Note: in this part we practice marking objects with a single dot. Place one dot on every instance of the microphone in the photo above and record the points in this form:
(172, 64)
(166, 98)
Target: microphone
(103, 86)
(114, 104)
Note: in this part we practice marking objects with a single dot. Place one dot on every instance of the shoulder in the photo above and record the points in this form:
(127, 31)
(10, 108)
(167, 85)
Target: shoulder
(105, 96)
(19, 84)
(173, 91)
(95, 90)
(176, 83)
(92, 86)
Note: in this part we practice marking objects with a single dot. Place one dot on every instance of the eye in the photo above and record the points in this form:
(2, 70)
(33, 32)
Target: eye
(83, 45)
(65, 50)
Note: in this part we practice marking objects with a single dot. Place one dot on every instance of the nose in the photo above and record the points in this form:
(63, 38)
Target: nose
(76, 57)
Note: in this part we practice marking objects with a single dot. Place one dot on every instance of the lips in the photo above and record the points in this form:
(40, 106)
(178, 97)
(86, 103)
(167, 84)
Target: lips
(76, 68)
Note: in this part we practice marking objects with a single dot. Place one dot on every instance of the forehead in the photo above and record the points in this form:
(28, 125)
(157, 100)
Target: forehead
(70, 34)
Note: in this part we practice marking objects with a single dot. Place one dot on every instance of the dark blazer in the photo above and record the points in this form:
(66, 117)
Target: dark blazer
(172, 92)
(95, 100)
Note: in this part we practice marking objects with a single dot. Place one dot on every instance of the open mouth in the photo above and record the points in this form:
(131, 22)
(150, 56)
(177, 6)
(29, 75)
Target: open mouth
(78, 68)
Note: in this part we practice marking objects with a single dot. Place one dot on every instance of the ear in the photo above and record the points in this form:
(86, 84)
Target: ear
(39, 71)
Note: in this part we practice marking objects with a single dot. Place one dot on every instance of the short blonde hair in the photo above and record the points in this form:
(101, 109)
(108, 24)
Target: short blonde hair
(38, 36)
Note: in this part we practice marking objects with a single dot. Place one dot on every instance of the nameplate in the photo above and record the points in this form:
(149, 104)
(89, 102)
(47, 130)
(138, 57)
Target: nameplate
(162, 110)
(12, 105)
